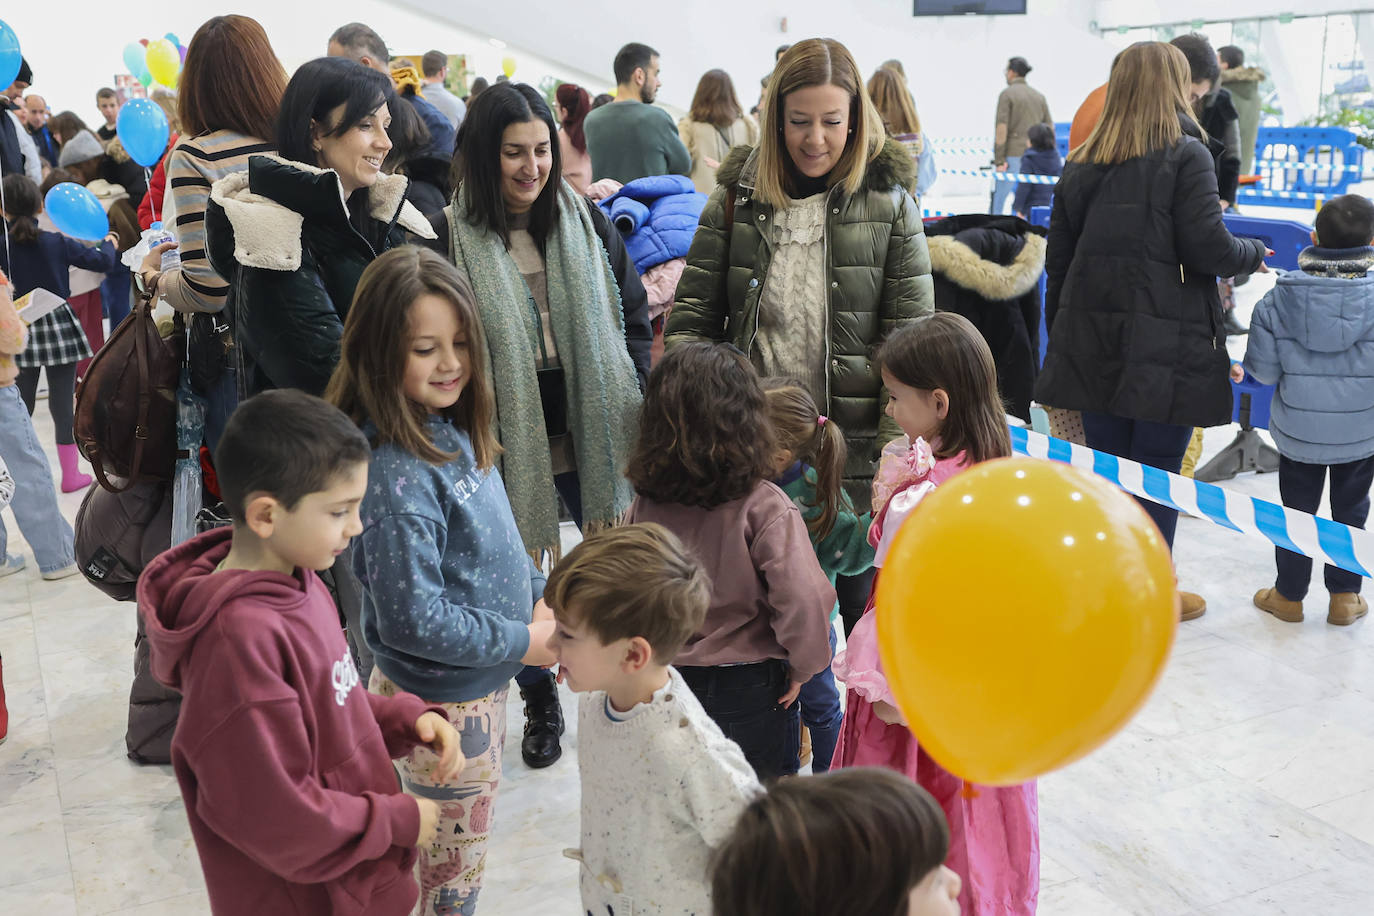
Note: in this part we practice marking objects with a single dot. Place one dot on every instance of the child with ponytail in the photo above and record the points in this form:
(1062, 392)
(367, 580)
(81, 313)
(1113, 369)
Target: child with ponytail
(808, 459)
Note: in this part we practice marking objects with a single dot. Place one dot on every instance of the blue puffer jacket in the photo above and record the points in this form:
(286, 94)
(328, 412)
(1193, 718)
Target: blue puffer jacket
(1313, 337)
(657, 216)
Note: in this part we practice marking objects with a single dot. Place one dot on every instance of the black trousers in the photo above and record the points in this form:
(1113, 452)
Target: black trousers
(1300, 486)
(743, 701)
(61, 396)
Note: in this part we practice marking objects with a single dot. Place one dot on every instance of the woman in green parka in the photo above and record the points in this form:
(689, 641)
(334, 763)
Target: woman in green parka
(810, 250)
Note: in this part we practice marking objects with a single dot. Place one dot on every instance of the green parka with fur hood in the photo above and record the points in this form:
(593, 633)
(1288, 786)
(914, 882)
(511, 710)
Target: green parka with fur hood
(877, 277)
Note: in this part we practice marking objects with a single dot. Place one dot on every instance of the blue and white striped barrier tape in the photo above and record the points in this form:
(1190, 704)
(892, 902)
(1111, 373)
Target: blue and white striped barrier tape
(1258, 195)
(1312, 168)
(1004, 176)
(1322, 539)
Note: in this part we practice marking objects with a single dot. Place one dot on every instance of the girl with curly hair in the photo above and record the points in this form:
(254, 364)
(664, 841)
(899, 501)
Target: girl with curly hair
(702, 468)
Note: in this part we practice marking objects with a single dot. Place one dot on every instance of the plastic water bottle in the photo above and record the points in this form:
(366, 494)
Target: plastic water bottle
(172, 256)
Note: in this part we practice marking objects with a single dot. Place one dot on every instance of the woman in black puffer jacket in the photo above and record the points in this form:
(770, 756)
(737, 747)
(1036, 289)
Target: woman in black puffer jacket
(292, 235)
(1136, 243)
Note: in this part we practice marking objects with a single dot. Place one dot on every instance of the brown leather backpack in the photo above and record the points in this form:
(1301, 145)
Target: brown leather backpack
(126, 406)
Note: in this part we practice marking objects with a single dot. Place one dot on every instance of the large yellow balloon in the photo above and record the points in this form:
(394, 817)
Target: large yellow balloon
(1025, 611)
(508, 66)
(164, 62)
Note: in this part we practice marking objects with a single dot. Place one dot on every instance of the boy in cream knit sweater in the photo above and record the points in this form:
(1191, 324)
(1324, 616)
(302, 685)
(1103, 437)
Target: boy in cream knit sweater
(661, 786)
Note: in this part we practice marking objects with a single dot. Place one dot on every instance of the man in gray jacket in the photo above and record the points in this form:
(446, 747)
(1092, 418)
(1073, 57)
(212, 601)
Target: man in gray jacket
(1018, 108)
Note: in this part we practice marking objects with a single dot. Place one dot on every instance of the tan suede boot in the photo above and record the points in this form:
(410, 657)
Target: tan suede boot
(805, 756)
(1346, 608)
(1191, 606)
(1271, 602)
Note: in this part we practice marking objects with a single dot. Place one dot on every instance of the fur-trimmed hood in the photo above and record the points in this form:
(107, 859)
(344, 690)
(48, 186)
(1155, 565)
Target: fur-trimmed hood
(267, 224)
(893, 167)
(978, 256)
(1243, 75)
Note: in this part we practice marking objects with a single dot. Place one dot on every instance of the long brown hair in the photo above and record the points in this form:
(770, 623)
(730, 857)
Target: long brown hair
(892, 98)
(704, 436)
(853, 842)
(65, 125)
(1147, 98)
(22, 206)
(813, 440)
(945, 350)
(232, 79)
(816, 62)
(715, 102)
(367, 385)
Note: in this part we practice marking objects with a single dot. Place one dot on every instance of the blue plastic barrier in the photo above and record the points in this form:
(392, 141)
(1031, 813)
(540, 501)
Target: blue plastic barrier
(1302, 165)
(1061, 137)
(1251, 401)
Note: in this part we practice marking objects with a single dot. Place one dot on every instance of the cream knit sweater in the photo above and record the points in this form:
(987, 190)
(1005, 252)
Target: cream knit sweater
(660, 790)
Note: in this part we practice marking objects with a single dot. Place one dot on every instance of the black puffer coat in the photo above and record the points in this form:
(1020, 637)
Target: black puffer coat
(987, 268)
(282, 237)
(1135, 321)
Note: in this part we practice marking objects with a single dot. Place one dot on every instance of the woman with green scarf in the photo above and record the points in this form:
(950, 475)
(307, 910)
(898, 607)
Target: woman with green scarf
(567, 329)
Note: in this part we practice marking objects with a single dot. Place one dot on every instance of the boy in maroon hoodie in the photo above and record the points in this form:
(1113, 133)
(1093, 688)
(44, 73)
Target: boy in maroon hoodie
(283, 758)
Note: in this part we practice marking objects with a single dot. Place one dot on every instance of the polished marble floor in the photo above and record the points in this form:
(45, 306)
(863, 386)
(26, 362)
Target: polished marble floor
(1245, 787)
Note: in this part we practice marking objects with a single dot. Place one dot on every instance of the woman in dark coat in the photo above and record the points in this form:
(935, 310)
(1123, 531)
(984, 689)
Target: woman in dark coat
(294, 233)
(1136, 243)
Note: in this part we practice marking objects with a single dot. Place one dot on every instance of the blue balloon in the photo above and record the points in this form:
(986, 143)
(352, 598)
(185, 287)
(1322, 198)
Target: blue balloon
(76, 212)
(10, 58)
(176, 42)
(143, 130)
(135, 58)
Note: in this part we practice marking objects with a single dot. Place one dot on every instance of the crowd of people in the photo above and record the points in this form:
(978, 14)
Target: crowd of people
(427, 331)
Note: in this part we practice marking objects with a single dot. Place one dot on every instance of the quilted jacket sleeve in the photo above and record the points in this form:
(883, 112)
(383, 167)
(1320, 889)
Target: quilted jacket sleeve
(289, 325)
(1205, 245)
(700, 310)
(908, 290)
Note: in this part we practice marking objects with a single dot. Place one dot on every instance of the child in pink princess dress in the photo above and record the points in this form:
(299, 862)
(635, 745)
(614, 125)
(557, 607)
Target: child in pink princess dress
(942, 391)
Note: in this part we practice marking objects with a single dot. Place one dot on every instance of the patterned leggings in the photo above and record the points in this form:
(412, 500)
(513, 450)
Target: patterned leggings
(450, 872)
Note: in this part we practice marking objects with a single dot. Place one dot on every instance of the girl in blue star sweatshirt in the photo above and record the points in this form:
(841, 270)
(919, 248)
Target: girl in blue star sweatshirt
(448, 586)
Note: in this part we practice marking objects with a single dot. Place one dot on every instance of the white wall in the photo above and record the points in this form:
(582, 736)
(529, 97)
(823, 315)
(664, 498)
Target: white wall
(70, 64)
(1113, 13)
(955, 64)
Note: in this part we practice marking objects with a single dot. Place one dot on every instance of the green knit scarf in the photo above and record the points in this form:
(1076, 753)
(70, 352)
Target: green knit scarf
(589, 332)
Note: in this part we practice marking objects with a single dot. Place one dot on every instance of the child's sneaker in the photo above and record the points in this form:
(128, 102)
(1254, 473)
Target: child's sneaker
(1346, 608)
(13, 563)
(1271, 602)
(70, 569)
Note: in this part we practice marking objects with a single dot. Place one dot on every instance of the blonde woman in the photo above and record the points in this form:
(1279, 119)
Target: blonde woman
(888, 89)
(1135, 246)
(810, 251)
(715, 125)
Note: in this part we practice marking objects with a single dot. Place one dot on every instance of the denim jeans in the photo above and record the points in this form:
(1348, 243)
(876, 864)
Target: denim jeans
(35, 495)
(820, 712)
(1158, 445)
(743, 701)
(1300, 487)
(1004, 191)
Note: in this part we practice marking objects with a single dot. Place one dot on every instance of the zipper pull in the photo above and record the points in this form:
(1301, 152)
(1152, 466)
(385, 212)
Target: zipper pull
(1181, 278)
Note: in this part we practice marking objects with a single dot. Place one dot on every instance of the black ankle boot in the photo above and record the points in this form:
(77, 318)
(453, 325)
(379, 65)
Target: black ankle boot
(543, 724)
(1232, 325)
